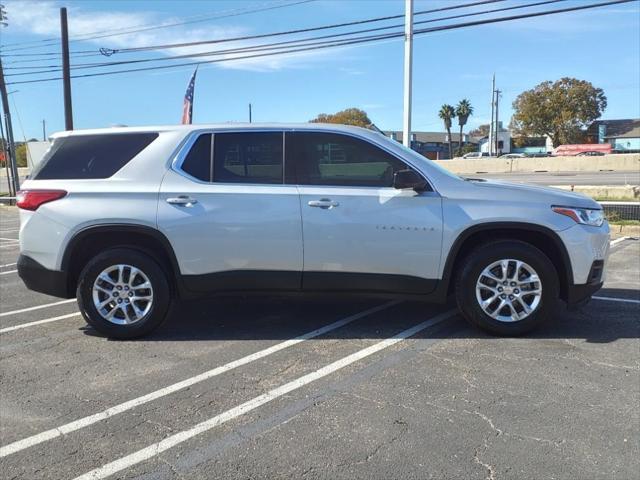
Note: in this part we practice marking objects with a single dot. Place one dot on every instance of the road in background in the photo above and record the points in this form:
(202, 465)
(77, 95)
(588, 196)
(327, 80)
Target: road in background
(566, 178)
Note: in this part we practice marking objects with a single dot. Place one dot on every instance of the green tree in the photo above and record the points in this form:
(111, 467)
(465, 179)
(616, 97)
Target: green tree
(21, 154)
(349, 116)
(560, 110)
(468, 148)
(447, 113)
(463, 111)
(480, 131)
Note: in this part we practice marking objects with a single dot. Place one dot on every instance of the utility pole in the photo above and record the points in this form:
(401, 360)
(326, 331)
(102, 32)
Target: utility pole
(11, 145)
(408, 61)
(498, 92)
(491, 128)
(66, 74)
(249, 113)
(44, 130)
(5, 152)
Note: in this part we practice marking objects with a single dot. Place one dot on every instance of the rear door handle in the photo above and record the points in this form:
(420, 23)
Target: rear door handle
(182, 200)
(324, 203)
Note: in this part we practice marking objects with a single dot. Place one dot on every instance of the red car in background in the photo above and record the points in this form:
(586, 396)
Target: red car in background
(577, 149)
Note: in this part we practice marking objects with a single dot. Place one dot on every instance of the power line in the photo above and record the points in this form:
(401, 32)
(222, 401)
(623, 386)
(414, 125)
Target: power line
(277, 45)
(342, 43)
(144, 28)
(273, 34)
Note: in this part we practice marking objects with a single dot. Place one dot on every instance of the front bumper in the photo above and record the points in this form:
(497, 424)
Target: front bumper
(585, 245)
(580, 292)
(40, 279)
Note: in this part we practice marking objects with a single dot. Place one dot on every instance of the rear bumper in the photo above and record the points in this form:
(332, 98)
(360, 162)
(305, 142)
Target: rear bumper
(40, 279)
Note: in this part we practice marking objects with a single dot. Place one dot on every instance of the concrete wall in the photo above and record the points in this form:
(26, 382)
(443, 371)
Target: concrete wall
(624, 162)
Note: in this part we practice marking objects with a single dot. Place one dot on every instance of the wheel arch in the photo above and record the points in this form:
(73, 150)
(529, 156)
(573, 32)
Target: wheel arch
(91, 240)
(539, 236)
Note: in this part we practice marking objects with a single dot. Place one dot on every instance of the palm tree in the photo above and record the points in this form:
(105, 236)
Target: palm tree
(447, 113)
(464, 110)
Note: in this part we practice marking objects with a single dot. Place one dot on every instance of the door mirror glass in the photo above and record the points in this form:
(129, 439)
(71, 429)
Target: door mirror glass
(403, 179)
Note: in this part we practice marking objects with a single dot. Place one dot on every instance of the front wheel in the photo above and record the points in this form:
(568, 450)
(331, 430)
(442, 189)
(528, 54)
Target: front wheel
(507, 287)
(123, 293)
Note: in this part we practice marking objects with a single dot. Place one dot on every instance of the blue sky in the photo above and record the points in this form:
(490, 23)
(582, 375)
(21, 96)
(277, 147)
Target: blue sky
(600, 45)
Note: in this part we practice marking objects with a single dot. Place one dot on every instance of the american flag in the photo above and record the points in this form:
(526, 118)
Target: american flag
(187, 107)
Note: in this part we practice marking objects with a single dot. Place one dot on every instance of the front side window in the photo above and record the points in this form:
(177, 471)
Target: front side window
(340, 160)
(251, 157)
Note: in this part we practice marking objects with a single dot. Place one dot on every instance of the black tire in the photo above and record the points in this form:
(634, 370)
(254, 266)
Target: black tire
(483, 256)
(157, 277)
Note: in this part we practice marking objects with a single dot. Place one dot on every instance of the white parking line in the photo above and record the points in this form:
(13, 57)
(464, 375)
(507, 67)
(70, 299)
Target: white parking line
(180, 437)
(618, 240)
(128, 405)
(614, 299)
(8, 272)
(6, 245)
(8, 265)
(10, 239)
(37, 307)
(38, 322)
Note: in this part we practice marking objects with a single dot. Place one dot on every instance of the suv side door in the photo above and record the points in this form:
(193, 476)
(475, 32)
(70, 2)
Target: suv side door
(231, 220)
(359, 232)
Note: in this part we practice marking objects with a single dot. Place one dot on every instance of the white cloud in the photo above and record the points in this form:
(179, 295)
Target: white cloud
(41, 19)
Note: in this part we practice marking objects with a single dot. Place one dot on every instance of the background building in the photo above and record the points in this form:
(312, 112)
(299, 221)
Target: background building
(434, 145)
(623, 135)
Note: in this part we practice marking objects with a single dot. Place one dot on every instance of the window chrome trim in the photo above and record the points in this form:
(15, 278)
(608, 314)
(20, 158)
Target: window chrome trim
(178, 158)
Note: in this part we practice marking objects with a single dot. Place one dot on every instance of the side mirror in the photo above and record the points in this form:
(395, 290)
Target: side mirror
(403, 179)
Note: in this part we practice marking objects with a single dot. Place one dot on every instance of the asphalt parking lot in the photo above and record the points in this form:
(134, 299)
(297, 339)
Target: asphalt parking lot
(319, 387)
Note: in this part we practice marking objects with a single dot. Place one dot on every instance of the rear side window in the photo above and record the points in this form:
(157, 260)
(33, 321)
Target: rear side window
(254, 157)
(91, 156)
(197, 163)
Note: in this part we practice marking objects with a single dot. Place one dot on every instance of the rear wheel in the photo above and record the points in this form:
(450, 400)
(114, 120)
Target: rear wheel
(123, 293)
(507, 287)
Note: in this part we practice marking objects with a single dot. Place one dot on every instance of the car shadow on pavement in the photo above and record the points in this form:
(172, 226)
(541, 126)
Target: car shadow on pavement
(285, 317)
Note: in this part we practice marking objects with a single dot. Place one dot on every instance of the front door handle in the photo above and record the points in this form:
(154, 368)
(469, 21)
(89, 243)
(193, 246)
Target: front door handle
(182, 200)
(324, 203)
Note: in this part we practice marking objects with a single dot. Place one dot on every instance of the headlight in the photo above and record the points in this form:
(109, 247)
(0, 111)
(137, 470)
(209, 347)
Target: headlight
(585, 216)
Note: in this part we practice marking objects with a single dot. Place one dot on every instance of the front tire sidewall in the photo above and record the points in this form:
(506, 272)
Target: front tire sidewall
(157, 277)
(484, 256)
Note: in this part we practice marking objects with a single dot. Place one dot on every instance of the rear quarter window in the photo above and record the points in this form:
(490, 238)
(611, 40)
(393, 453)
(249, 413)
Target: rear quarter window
(91, 156)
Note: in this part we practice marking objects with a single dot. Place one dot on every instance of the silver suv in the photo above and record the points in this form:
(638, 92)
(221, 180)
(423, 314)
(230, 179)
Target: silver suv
(127, 219)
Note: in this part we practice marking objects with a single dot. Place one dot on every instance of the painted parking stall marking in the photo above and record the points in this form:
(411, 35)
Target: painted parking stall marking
(616, 299)
(38, 322)
(181, 437)
(123, 407)
(37, 307)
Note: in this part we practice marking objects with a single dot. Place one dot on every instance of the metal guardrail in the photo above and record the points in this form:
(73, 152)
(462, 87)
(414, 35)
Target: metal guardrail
(621, 210)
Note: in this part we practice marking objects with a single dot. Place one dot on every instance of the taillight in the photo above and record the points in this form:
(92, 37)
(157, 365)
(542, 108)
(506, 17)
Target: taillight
(32, 199)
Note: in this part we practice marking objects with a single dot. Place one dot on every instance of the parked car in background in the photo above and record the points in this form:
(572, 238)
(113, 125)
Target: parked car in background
(590, 153)
(475, 155)
(513, 155)
(128, 219)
